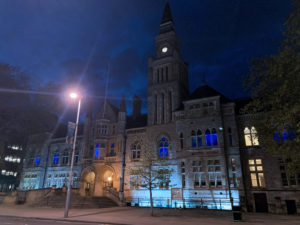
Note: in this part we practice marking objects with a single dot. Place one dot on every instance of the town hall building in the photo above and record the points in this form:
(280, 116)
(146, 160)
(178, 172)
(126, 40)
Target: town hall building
(212, 150)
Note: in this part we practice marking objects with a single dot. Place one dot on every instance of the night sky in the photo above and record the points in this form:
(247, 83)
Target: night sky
(76, 40)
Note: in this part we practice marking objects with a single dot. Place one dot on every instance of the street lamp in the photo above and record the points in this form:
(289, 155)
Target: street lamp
(74, 96)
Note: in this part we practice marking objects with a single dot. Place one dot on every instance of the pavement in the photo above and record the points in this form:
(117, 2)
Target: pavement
(141, 216)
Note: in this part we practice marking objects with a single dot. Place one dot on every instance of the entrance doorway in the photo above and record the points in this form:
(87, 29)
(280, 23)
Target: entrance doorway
(108, 178)
(291, 206)
(261, 203)
(89, 184)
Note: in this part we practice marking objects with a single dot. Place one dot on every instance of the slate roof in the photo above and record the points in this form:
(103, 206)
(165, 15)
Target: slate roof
(205, 91)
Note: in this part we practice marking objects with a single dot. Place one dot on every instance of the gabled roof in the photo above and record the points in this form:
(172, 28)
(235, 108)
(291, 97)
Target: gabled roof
(205, 91)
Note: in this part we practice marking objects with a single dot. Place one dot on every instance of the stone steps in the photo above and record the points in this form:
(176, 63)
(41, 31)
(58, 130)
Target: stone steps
(77, 201)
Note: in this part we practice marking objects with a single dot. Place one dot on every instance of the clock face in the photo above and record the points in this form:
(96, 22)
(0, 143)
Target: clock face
(164, 49)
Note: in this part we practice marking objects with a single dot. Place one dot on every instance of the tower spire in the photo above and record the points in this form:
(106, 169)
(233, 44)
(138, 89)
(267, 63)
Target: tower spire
(167, 15)
(167, 23)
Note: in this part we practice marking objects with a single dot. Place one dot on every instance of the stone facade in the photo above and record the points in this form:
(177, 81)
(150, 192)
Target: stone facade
(47, 163)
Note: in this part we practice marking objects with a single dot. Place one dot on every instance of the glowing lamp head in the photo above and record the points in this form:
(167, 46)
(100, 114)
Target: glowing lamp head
(109, 178)
(73, 95)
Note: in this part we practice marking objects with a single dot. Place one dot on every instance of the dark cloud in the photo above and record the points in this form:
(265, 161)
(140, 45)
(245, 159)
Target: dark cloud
(75, 41)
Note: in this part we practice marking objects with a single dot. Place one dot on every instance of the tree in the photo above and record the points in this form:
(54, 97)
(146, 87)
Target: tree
(274, 83)
(153, 172)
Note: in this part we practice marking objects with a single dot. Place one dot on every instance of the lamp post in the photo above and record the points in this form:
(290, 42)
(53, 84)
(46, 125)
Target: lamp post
(73, 96)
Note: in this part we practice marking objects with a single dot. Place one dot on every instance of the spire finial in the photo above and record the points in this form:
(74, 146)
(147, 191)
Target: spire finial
(167, 15)
(123, 105)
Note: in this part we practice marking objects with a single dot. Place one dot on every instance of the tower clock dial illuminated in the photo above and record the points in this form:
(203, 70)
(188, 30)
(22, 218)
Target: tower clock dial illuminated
(164, 49)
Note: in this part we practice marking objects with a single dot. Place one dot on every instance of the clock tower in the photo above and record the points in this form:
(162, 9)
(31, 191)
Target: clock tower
(167, 74)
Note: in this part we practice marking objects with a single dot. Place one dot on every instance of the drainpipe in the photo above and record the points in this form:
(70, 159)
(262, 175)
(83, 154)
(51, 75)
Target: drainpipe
(226, 158)
(123, 170)
(46, 166)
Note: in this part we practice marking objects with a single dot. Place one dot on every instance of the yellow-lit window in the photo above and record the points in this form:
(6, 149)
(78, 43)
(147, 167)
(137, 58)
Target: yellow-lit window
(251, 138)
(256, 173)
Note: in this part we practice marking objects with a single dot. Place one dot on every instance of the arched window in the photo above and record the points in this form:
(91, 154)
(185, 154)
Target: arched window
(181, 141)
(163, 147)
(214, 137)
(193, 139)
(229, 136)
(207, 138)
(65, 158)
(37, 160)
(199, 138)
(136, 151)
(250, 135)
(55, 159)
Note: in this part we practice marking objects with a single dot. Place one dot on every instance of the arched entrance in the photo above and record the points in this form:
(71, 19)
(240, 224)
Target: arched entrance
(88, 183)
(108, 177)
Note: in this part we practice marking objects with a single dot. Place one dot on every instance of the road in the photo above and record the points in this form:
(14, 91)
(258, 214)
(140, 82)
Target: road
(8, 220)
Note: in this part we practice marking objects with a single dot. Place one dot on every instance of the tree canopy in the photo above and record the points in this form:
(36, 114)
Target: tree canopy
(274, 83)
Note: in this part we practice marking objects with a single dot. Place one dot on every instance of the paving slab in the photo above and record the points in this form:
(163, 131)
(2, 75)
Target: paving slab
(141, 216)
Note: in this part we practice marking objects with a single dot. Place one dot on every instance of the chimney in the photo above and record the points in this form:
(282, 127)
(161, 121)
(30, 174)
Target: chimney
(137, 104)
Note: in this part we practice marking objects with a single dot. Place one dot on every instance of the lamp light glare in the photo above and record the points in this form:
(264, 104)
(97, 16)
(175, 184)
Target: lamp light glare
(109, 178)
(73, 95)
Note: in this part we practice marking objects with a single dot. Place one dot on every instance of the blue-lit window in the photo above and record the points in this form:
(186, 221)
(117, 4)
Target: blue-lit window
(96, 152)
(207, 138)
(193, 139)
(214, 137)
(55, 160)
(199, 138)
(37, 160)
(163, 147)
(280, 137)
(229, 136)
(181, 141)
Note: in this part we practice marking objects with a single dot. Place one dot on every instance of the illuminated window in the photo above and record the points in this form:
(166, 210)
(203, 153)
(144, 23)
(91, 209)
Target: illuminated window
(163, 147)
(136, 151)
(256, 173)
(251, 138)
(214, 137)
(55, 158)
(37, 160)
(193, 139)
(207, 138)
(99, 151)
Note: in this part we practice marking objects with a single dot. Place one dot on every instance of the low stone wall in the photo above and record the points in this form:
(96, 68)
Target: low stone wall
(33, 197)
